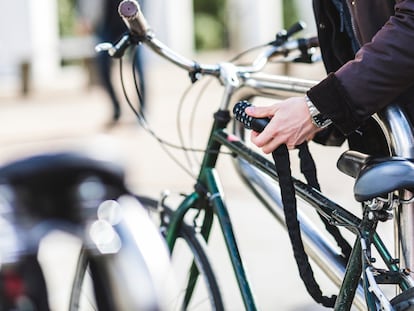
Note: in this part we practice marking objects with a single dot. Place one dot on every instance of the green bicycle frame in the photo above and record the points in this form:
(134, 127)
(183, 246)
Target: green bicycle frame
(208, 196)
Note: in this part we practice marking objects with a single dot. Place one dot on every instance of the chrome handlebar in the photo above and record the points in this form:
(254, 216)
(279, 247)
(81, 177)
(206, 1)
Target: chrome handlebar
(139, 28)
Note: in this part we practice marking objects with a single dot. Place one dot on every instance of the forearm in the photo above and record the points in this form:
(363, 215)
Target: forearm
(381, 71)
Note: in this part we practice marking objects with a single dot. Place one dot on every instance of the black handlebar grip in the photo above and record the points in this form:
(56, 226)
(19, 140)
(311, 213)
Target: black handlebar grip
(298, 26)
(251, 123)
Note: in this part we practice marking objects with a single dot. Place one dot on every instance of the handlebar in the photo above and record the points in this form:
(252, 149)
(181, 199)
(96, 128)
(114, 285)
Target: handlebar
(139, 28)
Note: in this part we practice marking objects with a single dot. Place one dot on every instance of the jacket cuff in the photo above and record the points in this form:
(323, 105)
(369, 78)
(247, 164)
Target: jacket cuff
(331, 99)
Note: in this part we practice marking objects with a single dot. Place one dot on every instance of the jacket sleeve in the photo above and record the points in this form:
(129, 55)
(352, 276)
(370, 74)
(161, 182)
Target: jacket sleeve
(381, 71)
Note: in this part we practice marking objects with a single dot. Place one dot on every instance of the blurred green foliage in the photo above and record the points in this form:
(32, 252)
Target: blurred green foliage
(210, 25)
(66, 15)
(210, 29)
(290, 13)
(210, 21)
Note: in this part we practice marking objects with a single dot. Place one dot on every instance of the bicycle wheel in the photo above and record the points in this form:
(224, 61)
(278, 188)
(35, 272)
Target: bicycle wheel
(82, 295)
(202, 293)
(197, 286)
(138, 276)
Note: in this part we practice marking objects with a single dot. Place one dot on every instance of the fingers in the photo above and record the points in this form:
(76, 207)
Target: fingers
(267, 142)
(261, 111)
(267, 139)
(290, 124)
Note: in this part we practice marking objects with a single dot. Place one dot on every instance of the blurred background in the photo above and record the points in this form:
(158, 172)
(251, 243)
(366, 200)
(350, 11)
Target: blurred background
(43, 43)
(55, 89)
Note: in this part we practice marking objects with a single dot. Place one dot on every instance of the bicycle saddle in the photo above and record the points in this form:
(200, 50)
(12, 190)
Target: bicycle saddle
(47, 185)
(376, 176)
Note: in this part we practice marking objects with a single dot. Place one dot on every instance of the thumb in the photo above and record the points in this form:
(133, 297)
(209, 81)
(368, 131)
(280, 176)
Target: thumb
(260, 112)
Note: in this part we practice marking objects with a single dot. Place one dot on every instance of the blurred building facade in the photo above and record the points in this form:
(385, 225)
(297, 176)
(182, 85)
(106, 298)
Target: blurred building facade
(33, 49)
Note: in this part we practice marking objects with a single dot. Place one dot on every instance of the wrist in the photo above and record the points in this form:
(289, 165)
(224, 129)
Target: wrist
(318, 119)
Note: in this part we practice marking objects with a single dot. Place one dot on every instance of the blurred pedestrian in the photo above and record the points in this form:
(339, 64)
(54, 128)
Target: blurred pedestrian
(101, 18)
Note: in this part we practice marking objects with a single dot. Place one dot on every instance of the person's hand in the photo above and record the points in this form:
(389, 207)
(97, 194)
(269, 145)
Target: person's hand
(290, 124)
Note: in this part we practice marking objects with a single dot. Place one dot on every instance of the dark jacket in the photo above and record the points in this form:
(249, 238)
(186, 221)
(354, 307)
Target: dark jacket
(111, 27)
(381, 34)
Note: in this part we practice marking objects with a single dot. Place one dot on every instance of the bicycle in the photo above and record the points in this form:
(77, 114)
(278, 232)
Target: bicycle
(84, 195)
(360, 281)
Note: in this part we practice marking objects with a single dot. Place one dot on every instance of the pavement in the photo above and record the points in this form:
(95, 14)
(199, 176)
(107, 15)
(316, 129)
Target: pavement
(71, 115)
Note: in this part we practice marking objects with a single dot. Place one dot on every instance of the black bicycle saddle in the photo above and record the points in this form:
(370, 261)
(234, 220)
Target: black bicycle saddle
(376, 176)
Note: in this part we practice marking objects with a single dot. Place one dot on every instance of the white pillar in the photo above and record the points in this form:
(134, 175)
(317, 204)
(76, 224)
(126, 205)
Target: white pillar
(172, 22)
(15, 41)
(44, 31)
(253, 22)
(15, 38)
(180, 21)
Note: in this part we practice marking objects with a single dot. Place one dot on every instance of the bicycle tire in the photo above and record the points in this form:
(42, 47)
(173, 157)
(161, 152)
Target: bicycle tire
(77, 283)
(89, 285)
(197, 245)
(210, 297)
(82, 296)
(79, 295)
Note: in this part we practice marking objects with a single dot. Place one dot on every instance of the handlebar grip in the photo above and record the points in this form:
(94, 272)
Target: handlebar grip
(131, 13)
(295, 28)
(251, 123)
